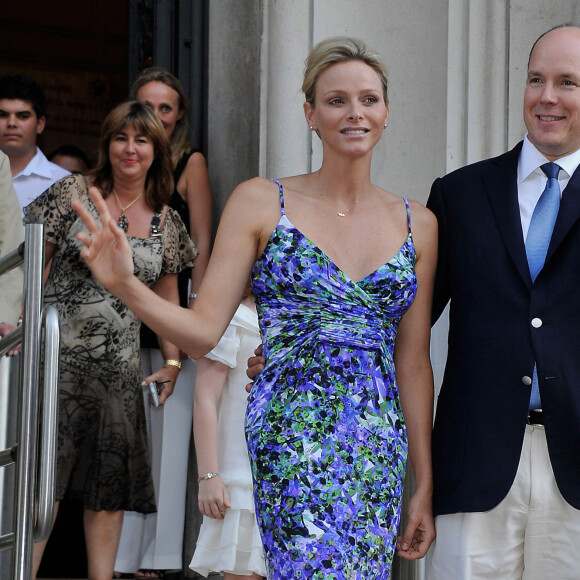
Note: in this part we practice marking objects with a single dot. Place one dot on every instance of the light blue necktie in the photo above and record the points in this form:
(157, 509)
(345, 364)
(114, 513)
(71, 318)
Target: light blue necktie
(538, 240)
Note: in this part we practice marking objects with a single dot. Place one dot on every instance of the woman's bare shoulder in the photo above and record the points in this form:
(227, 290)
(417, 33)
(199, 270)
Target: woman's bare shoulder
(196, 161)
(258, 189)
(254, 202)
(422, 219)
(421, 215)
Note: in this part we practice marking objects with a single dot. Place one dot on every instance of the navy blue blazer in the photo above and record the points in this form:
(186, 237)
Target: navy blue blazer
(483, 272)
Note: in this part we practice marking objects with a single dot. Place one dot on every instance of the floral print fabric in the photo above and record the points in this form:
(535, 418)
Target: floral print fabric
(325, 431)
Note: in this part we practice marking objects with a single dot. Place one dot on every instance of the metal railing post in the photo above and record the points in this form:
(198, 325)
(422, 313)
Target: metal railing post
(48, 439)
(9, 398)
(28, 429)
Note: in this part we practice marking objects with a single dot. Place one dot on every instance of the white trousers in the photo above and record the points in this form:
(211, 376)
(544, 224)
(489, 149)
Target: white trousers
(532, 534)
(155, 541)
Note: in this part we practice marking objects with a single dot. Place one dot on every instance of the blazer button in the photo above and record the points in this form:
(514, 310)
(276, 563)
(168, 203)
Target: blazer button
(527, 381)
(536, 322)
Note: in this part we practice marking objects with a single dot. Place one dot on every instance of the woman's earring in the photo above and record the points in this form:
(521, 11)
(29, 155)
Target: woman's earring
(311, 128)
(386, 125)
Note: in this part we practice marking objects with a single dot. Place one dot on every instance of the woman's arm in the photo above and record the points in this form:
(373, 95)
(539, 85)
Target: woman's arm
(248, 220)
(166, 376)
(49, 250)
(415, 381)
(210, 379)
(195, 188)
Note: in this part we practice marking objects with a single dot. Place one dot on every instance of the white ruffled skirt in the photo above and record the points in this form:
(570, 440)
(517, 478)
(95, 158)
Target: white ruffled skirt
(232, 544)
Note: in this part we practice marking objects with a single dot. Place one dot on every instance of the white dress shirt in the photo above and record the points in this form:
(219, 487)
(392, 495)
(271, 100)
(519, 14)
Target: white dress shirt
(532, 180)
(36, 178)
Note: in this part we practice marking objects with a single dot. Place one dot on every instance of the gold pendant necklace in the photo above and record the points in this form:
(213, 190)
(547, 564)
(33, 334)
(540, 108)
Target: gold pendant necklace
(338, 213)
(123, 221)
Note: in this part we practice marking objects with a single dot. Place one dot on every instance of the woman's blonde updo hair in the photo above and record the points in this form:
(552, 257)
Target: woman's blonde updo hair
(340, 49)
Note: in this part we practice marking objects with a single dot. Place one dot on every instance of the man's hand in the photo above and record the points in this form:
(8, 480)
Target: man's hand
(255, 366)
(5, 329)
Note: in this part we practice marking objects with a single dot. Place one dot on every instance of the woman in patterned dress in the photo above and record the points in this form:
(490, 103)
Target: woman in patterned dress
(342, 272)
(103, 457)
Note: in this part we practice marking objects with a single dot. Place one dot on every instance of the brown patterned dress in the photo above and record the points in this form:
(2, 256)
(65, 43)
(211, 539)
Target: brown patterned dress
(103, 457)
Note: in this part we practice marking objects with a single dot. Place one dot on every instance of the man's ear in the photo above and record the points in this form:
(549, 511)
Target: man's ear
(40, 124)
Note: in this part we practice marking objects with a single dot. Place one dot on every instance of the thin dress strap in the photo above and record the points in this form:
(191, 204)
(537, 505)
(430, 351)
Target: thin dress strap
(281, 189)
(408, 213)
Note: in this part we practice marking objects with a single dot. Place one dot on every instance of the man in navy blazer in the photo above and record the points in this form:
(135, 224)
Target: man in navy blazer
(507, 475)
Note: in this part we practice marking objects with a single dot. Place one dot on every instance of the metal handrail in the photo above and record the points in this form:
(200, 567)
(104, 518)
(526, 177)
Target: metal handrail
(12, 259)
(11, 340)
(28, 431)
(48, 438)
(8, 456)
(9, 400)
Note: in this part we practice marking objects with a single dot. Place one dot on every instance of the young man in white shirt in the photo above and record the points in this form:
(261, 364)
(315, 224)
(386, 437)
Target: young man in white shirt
(22, 119)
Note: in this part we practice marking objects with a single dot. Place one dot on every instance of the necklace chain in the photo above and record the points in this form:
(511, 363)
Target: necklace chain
(338, 213)
(123, 220)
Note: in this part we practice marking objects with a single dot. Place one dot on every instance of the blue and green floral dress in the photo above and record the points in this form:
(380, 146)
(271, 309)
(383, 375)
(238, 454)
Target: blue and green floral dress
(325, 431)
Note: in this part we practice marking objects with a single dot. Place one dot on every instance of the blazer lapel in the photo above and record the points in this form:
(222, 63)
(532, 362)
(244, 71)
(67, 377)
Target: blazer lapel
(568, 214)
(502, 189)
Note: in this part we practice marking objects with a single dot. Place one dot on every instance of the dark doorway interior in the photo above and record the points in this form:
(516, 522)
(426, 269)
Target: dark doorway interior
(78, 52)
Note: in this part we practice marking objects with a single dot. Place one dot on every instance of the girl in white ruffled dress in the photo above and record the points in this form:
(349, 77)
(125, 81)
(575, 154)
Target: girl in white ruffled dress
(229, 540)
